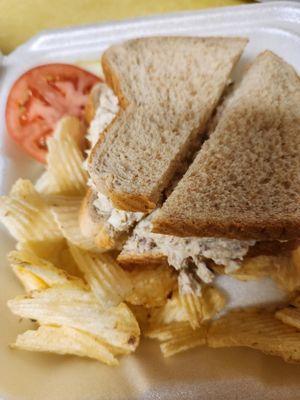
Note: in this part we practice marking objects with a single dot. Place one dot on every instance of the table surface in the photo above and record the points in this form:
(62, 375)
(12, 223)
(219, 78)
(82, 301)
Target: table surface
(21, 19)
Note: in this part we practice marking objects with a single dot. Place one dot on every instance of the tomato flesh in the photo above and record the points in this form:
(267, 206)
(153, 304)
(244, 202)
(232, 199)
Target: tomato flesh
(42, 96)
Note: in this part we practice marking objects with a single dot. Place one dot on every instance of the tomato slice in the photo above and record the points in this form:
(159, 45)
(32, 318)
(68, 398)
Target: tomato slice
(39, 98)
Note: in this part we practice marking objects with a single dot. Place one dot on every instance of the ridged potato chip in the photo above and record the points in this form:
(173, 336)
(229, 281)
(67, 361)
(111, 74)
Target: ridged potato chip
(36, 273)
(79, 309)
(26, 215)
(142, 315)
(193, 308)
(171, 311)
(178, 337)
(283, 268)
(56, 252)
(289, 316)
(188, 340)
(46, 184)
(255, 268)
(258, 329)
(47, 249)
(168, 331)
(152, 285)
(65, 340)
(203, 307)
(108, 281)
(65, 158)
(66, 214)
(213, 301)
(287, 271)
(29, 281)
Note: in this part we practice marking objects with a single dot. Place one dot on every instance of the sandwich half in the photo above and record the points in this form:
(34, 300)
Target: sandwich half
(168, 88)
(240, 197)
(245, 181)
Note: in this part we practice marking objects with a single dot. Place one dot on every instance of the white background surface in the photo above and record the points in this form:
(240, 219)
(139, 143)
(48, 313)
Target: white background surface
(198, 374)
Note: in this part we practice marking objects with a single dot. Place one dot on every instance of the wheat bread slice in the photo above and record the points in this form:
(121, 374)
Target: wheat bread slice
(245, 181)
(168, 88)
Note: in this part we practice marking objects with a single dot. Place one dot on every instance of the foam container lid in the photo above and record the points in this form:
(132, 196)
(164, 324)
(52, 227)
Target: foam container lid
(202, 373)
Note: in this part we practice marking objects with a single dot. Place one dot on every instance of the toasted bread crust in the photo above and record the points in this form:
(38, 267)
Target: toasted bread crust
(256, 229)
(123, 201)
(131, 202)
(113, 81)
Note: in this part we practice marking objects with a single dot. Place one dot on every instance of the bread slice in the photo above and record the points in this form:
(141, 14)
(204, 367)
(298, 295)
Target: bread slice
(245, 181)
(168, 88)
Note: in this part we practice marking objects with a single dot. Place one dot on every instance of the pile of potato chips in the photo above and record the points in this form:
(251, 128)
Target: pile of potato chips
(85, 304)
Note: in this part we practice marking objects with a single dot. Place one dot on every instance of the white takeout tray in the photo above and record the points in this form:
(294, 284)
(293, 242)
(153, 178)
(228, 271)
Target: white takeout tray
(197, 374)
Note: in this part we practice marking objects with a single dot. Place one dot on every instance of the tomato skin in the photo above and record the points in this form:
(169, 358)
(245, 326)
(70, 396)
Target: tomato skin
(42, 96)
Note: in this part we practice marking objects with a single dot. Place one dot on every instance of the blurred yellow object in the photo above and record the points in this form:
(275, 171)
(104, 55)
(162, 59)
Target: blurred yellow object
(19, 20)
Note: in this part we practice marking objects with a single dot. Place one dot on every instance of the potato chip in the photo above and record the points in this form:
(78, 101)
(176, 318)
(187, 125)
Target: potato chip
(193, 308)
(187, 340)
(213, 301)
(78, 308)
(67, 262)
(283, 268)
(47, 249)
(287, 271)
(142, 315)
(28, 279)
(255, 268)
(203, 307)
(65, 158)
(152, 285)
(36, 273)
(171, 311)
(168, 331)
(290, 316)
(56, 252)
(46, 184)
(26, 215)
(66, 214)
(108, 281)
(65, 340)
(258, 329)
(177, 337)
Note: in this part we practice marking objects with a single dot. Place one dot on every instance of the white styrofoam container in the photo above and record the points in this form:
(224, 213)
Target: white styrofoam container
(199, 374)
